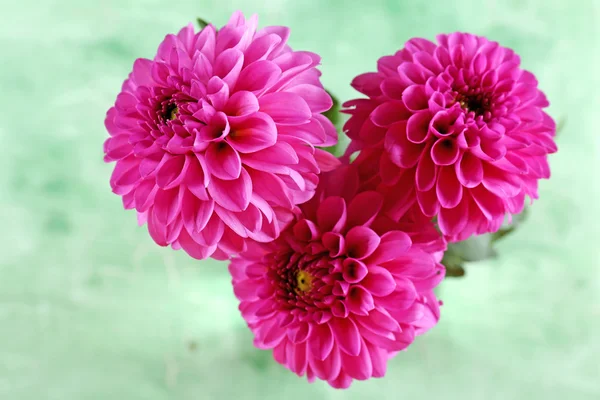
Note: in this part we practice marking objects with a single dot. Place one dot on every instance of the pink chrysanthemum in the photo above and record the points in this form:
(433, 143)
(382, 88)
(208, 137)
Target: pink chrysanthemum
(456, 126)
(343, 288)
(214, 138)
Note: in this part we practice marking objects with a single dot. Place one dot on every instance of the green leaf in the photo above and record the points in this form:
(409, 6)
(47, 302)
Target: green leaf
(454, 265)
(561, 125)
(201, 23)
(507, 229)
(333, 114)
(477, 248)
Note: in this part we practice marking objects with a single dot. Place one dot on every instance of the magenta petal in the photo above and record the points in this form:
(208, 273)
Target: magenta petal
(233, 195)
(275, 159)
(501, 183)
(490, 205)
(346, 335)
(415, 98)
(402, 152)
(271, 188)
(125, 175)
(223, 161)
(144, 194)
(242, 103)
(167, 205)
(261, 48)
(285, 108)
(305, 230)
(412, 73)
(252, 133)
(197, 251)
(368, 83)
(213, 231)
(449, 190)
(442, 123)
(391, 245)
(258, 76)
(316, 97)
(363, 208)
(172, 172)
(217, 92)
(320, 343)
(388, 170)
(326, 161)
(301, 333)
(196, 213)
(196, 180)
(117, 147)
(417, 127)
(379, 281)
(361, 242)
(359, 301)
(379, 321)
(426, 173)
(445, 151)
(334, 242)
(156, 229)
(469, 170)
(203, 68)
(142, 72)
(298, 356)
(353, 271)
(228, 66)
(428, 202)
(331, 215)
(452, 221)
(389, 112)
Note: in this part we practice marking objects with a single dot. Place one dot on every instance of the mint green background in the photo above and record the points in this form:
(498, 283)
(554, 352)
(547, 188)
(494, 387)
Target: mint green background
(91, 309)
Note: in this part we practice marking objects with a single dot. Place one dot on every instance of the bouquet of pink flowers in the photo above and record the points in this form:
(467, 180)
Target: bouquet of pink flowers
(223, 145)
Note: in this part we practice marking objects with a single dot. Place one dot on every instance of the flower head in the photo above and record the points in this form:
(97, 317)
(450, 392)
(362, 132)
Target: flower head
(214, 138)
(343, 288)
(456, 127)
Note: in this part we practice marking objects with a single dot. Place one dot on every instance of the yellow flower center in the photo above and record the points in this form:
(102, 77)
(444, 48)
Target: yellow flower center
(304, 281)
(173, 113)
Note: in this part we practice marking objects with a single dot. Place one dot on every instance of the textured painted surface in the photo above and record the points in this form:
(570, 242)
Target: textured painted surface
(90, 308)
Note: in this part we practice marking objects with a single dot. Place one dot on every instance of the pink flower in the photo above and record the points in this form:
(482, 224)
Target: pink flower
(457, 128)
(343, 288)
(214, 138)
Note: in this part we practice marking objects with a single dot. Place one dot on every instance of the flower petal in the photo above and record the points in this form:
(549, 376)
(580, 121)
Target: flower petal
(401, 151)
(331, 215)
(285, 108)
(379, 281)
(252, 133)
(469, 170)
(415, 98)
(445, 152)
(359, 301)
(258, 76)
(390, 112)
(361, 242)
(392, 244)
(346, 335)
(320, 342)
(223, 161)
(417, 127)
(233, 195)
(241, 103)
(316, 97)
(426, 172)
(363, 208)
(449, 190)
